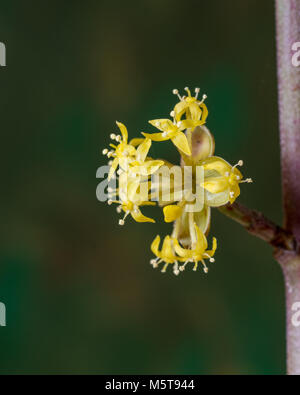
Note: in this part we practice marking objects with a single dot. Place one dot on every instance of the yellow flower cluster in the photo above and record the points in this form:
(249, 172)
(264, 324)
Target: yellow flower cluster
(213, 182)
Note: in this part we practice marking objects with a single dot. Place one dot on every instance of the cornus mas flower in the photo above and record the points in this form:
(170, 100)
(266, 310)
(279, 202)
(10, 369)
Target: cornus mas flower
(191, 107)
(131, 195)
(197, 252)
(184, 192)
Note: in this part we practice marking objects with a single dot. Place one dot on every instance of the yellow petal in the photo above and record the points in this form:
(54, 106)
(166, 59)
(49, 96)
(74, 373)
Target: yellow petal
(189, 124)
(136, 141)
(143, 149)
(123, 131)
(179, 109)
(195, 111)
(216, 199)
(216, 163)
(180, 141)
(214, 247)
(204, 112)
(132, 186)
(201, 239)
(167, 251)
(113, 167)
(183, 252)
(152, 166)
(172, 212)
(139, 217)
(155, 136)
(147, 168)
(155, 245)
(165, 125)
(215, 184)
(202, 219)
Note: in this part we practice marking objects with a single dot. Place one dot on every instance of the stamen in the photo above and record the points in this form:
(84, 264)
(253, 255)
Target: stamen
(182, 267)
(188, 91)
(179, 124)
(110, 163)
(105, 151)
(165, 268)
(197, 90)
(175, 270)
(109, 202)
(211, 259)
(119, 209)
(118, 138)
(172, 113)
(195, 266)
(240, 163)
(175, 92)
(122, 221)
(113, 136)
(154, 263)
(203, 98)
(205, 268)
(164, 134)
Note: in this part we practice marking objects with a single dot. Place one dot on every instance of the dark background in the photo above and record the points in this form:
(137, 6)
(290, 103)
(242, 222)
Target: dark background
(80, 294)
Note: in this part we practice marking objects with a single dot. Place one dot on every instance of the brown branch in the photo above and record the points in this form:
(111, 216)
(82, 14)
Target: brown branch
(288, 33)
(260, 226)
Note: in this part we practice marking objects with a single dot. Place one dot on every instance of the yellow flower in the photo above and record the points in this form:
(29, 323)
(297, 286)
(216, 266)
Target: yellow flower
(122, 153)
(170, 131)
(141, 164)
(166, 254)
(185, 192)
(172, 212)
(198, 251)
(131, 196)
(191, 107)
(222, 180)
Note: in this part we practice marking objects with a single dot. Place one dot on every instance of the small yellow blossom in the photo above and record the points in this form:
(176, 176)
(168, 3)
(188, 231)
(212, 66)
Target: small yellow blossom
(131, 196)
(222, 178)
(121, 152)
(191, 107)
(128, 157)
(170, 131)
(166, 254)
(140, 165)
(198, 251)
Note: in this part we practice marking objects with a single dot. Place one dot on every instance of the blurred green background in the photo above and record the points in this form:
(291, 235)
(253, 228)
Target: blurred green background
(80, 294)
